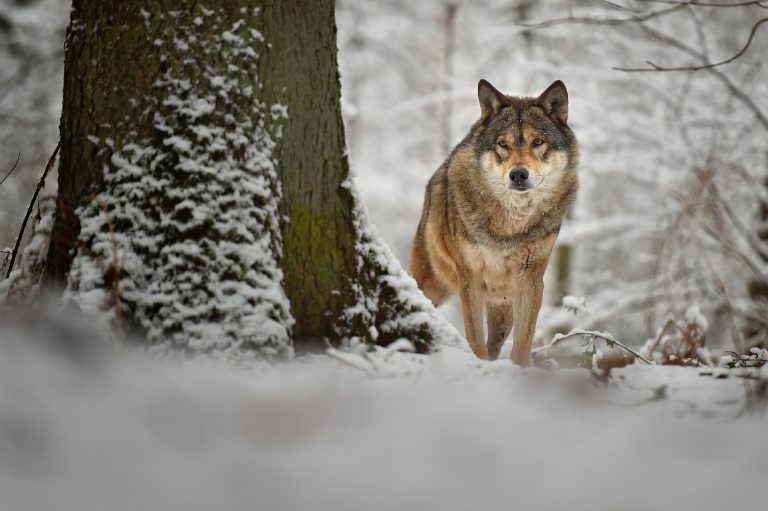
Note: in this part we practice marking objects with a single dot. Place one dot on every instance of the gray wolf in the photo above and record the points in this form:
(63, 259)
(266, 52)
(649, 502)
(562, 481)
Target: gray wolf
(492, 213)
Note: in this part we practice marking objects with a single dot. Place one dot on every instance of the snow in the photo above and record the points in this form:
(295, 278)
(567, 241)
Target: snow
(693, 316)
(392, 290)
(381, 430)
(23, 285)
(575, 305)
(757, 357)
(220, 294)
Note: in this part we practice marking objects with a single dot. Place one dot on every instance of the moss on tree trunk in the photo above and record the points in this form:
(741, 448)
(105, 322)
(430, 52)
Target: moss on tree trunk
(301, 72)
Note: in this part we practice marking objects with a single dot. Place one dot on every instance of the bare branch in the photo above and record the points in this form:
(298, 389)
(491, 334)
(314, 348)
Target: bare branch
(684, 48)
(605, 21)
(669, 40)
(700, 34)
(40, 185)
(742, 96)
(653, 67)
(694, 3)
(12, 169)
(589, 333)
(614, 5)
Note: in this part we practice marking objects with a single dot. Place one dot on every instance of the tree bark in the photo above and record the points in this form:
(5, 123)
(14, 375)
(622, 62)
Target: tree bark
(319, 256)
(182, 120)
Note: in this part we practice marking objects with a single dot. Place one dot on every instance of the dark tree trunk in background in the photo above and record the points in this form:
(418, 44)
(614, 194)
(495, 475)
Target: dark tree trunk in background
(174, 118)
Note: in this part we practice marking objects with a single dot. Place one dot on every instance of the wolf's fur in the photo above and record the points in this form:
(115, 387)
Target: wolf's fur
(487, 236)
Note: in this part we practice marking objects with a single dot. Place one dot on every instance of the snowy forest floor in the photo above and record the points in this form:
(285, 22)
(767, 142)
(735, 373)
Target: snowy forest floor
(86, 428)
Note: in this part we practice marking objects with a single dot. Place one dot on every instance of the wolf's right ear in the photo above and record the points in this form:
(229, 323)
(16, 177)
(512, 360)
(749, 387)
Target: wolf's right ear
(554, 101)
(491, 100)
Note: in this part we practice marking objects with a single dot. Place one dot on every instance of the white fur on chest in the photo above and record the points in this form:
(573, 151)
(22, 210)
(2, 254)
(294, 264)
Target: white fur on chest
(497, 271)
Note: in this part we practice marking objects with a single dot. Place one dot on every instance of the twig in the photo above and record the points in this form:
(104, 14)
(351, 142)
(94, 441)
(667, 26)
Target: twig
(11, 171)
(614, 5)
(40, 185)
(656, 68)
(695, 3)
(597, 335)
(642, 18)
(605, 21)
(700, 33)
(115, 264)
(684, 48)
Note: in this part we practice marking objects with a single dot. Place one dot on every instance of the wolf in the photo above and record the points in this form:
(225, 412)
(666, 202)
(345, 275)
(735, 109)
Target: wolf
(492, 213)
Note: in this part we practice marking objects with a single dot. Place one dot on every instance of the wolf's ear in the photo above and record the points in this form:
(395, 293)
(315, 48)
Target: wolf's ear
(554, 101)
(491, 100)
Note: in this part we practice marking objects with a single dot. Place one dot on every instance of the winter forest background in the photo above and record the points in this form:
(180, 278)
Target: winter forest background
(670, 222)
(672, 164)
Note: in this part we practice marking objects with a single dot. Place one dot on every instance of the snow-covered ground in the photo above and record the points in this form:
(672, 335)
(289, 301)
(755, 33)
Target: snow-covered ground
(92, 429)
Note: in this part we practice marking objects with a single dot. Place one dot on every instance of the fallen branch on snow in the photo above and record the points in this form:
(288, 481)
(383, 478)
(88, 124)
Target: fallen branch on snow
(608, 338)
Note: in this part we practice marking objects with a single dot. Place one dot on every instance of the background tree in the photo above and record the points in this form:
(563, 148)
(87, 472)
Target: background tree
(204, 191)
(642, 137)
(707, 249)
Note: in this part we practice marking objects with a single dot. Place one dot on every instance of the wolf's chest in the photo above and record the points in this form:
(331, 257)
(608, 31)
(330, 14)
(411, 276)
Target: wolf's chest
(498, 272)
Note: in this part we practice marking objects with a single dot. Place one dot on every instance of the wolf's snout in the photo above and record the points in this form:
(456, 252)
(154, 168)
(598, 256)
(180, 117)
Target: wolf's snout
(518, 176)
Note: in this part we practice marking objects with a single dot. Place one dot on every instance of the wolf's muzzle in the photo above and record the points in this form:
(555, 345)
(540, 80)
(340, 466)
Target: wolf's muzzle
(519, 178)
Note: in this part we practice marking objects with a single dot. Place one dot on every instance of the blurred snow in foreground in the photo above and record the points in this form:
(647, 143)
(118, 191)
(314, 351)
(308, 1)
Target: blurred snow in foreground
(92, 429)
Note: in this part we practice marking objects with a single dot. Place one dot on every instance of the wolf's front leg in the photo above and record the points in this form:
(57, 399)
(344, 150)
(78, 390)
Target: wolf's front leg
(499, 325)
(471, 307)
(526, 306)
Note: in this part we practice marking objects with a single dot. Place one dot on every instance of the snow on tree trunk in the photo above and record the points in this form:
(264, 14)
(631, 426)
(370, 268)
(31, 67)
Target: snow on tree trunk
(162, 123)
(214, 138)
(343, 283)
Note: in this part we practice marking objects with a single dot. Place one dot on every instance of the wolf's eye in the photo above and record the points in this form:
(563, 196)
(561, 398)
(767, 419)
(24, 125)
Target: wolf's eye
(502, 143)
(537, 142)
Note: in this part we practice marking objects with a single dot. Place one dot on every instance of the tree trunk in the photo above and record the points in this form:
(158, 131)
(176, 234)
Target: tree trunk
(209, 145)
(319, 238)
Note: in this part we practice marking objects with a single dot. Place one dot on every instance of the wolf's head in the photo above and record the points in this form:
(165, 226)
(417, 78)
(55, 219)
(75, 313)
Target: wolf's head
(524, 144)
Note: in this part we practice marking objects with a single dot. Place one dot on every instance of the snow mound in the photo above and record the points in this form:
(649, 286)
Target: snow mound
(88, 429)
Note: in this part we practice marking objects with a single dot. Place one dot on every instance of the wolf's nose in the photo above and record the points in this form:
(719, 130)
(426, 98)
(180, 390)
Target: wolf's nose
(518, 175)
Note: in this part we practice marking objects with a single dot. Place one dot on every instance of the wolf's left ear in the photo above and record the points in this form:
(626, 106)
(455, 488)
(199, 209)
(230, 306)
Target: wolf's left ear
(491, 100)
(554, 101)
